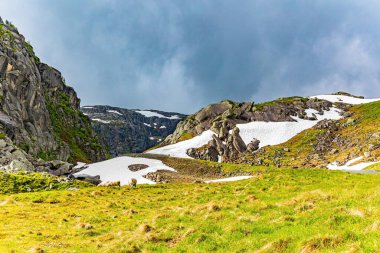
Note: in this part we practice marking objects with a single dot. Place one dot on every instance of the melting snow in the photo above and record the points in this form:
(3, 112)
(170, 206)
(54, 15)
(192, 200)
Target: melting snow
(274, 133)
(116, 169)
(310, 112)
(349, 167)
(228, 179)
(179, 149)
(269, 133)
(79, 165)
(113, 111)
(345, 99)
(162, 127)
(155, 114)
(102, 121)
(147, 124)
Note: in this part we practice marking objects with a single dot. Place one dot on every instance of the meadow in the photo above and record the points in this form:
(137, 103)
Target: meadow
(278, 210)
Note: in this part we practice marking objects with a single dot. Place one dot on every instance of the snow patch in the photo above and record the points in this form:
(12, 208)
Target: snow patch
(345, 99)
(102, 121)
(349, 167)
(116, 169)
(162, 127)
(113, 111)
(79, 165)
(310, 112)
(148, 125)
(228, 179)
(155, 114)
(88, 107)
(179, 149)
(274, 133)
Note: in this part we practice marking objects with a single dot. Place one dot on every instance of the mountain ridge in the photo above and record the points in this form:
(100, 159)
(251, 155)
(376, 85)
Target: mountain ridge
(131, 130)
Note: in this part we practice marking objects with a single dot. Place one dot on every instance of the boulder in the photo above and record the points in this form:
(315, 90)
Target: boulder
(59, 168)
(237, 141)
(89, 179)
(207, 152)
(253, 145)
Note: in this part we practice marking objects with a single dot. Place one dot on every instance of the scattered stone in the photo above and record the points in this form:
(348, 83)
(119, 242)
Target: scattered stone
(137, 167)
(87, 178)
(72, 189)
(367, 154)
(132, 182)
(109, 184)
(144, 228)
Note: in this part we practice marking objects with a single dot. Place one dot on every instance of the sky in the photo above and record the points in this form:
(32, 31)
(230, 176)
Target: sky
(182, 55)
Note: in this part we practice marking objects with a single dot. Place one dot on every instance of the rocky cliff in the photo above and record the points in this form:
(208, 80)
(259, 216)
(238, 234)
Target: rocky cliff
(38, 111)
(135, 131)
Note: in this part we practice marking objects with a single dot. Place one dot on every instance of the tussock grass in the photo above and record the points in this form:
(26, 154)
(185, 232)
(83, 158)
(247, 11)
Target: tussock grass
(285, 210)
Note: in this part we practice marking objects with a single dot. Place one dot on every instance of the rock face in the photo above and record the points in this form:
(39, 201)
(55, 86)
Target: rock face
(38, 111)
(222, 117)
(14, 159)
(127, 131)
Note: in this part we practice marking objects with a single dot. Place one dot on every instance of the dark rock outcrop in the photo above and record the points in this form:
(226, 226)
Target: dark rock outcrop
(38, 111)
(222, 117)
(127, 131)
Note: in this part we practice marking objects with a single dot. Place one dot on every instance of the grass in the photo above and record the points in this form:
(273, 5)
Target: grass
(278, 210)
(285, 100)
(375, 166)
(34, 182)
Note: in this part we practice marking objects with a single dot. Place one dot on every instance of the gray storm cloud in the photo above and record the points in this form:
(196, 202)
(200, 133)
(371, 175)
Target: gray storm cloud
(182, 55)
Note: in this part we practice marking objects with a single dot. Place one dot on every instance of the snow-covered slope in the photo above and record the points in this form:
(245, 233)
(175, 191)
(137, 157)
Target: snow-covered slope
(269, 133)
(117, 169)
(273, 133)
(179, 149)
(345, 99)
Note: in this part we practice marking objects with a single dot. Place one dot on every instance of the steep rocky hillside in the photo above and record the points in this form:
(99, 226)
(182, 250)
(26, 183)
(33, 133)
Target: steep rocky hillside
(38, 111)
(296, 131)
(127, 131)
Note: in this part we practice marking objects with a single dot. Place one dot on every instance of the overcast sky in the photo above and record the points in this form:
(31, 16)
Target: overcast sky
(182, 55)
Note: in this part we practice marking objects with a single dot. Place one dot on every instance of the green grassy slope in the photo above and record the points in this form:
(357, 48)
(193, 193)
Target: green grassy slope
(355, 132)
(279, 210)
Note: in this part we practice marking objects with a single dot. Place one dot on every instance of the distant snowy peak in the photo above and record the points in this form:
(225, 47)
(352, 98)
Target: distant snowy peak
(149, 114)
(345, 99)
(115, 112)
(131, 130)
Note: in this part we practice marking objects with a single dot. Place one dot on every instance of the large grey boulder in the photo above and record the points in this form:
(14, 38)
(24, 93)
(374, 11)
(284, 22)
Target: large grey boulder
(253, 145)
(236, 140)
(59, 168)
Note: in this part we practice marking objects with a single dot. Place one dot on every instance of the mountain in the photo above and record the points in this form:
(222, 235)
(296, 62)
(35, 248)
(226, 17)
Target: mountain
(39, 113)
(131, 131)
(311, 132)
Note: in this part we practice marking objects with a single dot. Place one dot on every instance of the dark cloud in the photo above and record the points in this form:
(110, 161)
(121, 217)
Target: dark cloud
(181, 55)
